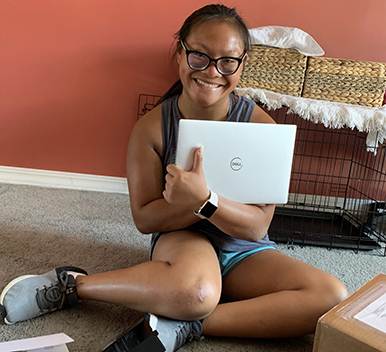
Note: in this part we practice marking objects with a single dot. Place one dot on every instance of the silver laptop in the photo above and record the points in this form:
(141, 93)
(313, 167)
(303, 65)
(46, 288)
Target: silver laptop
(244, 162)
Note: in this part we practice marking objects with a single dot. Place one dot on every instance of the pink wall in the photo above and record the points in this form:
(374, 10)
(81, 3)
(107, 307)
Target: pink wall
(71, 71)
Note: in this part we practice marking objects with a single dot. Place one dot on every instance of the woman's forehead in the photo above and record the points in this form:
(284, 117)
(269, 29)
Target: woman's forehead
(206, 28)
(210, 35)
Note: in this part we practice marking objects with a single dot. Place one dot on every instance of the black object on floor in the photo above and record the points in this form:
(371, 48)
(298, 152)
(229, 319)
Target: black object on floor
(140, 338)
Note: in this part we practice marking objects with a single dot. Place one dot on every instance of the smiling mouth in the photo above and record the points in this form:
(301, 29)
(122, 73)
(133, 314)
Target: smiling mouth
(205, 84)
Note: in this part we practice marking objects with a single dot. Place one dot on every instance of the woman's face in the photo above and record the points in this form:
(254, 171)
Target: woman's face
(216, 39)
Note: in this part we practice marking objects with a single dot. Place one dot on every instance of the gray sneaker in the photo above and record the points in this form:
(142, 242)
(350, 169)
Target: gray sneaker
(173, 334)
(30, 296)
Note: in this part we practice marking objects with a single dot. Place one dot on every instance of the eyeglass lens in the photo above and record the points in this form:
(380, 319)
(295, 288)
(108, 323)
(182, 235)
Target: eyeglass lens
(225, 66)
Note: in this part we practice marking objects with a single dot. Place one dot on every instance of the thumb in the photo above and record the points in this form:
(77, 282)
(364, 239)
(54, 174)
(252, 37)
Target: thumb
(198, 159)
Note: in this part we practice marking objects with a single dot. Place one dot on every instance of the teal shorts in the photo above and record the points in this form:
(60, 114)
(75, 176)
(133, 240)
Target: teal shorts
(229, 260)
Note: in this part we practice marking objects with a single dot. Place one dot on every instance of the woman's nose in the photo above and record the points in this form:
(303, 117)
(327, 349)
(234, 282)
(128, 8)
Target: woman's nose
(212, 71)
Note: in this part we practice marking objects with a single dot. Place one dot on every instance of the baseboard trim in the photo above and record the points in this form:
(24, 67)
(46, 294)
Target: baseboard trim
(58, 179)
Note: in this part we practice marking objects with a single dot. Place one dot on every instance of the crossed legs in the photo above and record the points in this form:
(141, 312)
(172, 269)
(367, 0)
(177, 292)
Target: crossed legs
(268, 295)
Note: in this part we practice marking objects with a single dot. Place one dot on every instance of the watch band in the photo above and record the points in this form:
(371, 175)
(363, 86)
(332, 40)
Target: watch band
(209, 207)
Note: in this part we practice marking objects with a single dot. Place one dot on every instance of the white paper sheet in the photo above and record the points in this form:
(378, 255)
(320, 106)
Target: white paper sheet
(52, 343)
(61, 348)
(374, 314)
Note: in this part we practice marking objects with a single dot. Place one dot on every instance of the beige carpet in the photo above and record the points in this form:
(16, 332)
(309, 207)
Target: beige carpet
(43, 228)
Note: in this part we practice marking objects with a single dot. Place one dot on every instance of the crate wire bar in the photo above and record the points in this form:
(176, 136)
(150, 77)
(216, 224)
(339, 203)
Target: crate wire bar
(337, 190)
(146, 102)
(337, 196)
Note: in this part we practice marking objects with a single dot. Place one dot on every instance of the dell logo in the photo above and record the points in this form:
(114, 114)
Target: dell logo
(236, 164)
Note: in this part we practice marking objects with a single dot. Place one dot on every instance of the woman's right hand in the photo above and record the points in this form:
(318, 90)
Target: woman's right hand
(187, 189)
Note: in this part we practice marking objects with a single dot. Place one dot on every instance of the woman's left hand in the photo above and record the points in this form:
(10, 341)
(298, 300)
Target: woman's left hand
(187, 188)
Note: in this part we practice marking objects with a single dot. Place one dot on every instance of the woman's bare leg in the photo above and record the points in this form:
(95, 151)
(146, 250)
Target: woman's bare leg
(183, 281)
(272, 295)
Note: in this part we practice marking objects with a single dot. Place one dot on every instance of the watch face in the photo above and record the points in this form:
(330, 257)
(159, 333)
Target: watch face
(208, 210)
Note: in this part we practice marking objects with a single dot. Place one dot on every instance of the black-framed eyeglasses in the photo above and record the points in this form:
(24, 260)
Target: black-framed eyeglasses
(199, 61)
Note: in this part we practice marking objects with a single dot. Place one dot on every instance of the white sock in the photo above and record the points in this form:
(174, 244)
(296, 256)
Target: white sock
(74, 274)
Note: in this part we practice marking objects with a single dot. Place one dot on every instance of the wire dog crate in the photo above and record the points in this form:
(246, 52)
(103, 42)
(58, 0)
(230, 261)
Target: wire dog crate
(337, 191)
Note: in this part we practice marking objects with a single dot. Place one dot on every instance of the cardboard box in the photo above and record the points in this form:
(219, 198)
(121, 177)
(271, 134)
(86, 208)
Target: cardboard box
(358, 324)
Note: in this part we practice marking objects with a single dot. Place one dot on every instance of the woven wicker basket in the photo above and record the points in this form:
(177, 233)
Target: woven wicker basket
(278, 70)
(345, 81)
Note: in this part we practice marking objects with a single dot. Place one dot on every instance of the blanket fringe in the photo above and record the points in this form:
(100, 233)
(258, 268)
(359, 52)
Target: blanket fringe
(331, 114)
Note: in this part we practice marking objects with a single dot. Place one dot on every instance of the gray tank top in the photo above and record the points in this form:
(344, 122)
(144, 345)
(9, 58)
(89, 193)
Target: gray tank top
(239, 111)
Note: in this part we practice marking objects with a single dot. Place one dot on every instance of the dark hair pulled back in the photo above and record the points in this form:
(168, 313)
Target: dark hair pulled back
(214, 12)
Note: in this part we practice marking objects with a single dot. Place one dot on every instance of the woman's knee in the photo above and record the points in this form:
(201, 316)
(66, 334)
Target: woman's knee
(194, 275)
(329, 291)
(196, 298)
(338, 291)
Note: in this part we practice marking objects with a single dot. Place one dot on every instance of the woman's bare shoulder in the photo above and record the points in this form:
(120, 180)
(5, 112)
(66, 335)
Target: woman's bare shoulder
(150, 119)
(150, 123)
(148, 130)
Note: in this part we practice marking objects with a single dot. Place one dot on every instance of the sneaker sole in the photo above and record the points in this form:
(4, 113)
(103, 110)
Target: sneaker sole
(7, 288)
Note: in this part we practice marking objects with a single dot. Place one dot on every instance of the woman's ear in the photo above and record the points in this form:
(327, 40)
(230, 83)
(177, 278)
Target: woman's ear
(244, 61)
(179, 50)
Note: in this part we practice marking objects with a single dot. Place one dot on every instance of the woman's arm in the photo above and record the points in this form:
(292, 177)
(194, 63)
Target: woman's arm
(246, 221)
(151, 212)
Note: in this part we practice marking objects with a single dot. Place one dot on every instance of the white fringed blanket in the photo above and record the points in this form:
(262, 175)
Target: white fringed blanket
(331, 114)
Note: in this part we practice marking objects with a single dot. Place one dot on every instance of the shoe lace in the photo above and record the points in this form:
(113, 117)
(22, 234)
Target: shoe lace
(52, 298)
(186, 332)
(183, 334)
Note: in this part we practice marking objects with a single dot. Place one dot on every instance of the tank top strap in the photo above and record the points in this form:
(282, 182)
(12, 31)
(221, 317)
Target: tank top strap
(242, 109)
(170, 120)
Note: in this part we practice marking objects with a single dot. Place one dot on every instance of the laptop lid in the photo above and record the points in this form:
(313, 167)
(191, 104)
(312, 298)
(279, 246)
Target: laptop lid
(244, 162)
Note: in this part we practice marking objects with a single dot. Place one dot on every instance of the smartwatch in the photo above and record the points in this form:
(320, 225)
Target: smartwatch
(209, 207)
